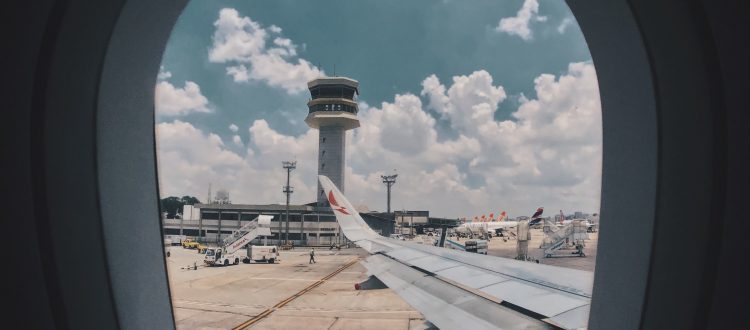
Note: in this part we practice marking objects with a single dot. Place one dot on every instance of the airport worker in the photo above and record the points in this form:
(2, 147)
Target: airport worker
(312, 256)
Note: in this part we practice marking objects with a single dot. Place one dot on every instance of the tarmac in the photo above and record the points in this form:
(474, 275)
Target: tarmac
(226, 297)
(563, 258)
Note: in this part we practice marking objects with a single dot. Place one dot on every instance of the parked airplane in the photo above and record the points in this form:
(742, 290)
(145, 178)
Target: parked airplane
(495, 226)
(563, 222)
(589, 224)
(458, 290)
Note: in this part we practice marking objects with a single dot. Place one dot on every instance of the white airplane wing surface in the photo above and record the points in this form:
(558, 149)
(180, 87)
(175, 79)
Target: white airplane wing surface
(459, 290)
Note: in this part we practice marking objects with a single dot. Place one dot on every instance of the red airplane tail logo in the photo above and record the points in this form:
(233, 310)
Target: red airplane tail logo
(538, 213)
(335, 205)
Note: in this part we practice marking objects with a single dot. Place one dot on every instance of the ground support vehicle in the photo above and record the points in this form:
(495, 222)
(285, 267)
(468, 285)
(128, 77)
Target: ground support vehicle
(189, 243)
(229, 252)
(476, 246)
(258, 253)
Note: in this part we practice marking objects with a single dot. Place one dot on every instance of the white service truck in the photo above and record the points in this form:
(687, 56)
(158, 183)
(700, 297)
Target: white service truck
(221, 257)
(257, 253)
(230, 253)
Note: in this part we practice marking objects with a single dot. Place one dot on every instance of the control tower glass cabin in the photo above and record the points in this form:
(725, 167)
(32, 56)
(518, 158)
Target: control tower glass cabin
(332, 111)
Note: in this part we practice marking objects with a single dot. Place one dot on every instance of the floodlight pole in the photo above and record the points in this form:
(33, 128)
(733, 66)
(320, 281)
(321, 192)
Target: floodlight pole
(288, 190)
(389, 180)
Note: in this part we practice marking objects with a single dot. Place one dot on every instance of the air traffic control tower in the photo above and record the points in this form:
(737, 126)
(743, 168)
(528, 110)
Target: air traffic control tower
(333, 111)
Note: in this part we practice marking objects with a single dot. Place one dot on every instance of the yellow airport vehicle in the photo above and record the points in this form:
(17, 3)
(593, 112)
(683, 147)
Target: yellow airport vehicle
(190, 244)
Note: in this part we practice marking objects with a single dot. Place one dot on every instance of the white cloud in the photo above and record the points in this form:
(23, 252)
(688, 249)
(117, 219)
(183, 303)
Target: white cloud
(403, 126)
(189, 159)
(173, 101)
(565, 117)
(243, 43)
(548, 155)
(236, 38)
(519, 25)
(237, 141)
(233, 128)
(564, 24)
(287, 48)
(238, 73)
(163, 75)
(274, 29)
(469, 103)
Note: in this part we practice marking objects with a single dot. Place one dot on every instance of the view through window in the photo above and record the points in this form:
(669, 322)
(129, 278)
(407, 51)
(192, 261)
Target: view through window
(468, 128)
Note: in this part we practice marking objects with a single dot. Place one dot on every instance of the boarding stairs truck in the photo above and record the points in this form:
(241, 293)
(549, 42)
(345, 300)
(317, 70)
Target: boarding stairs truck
(574, 233)
(476, 231)
(229, 252)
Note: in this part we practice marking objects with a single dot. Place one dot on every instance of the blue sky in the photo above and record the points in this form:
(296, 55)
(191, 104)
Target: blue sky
(424, 67)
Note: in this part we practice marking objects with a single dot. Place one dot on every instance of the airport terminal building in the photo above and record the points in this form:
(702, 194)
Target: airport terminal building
(308, 224)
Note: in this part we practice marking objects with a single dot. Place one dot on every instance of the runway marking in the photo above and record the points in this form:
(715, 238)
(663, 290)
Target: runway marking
(281, 304)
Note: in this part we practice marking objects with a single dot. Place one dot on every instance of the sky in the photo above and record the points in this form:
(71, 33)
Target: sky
(480, 106)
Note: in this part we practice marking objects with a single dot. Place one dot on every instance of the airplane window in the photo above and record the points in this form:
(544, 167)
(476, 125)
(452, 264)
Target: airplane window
(476, 139)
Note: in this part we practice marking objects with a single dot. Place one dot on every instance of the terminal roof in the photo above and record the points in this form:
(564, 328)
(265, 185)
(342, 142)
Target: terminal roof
(265, 207)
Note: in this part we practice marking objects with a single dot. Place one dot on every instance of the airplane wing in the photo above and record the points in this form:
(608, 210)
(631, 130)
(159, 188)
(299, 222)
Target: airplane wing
(459, 290)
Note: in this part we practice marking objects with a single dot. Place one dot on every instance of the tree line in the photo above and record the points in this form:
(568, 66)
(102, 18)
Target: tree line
(173, 205)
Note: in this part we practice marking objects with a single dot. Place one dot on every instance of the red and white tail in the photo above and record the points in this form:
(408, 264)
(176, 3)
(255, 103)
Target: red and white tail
(351, 222)
(502, 216)
(538, 213)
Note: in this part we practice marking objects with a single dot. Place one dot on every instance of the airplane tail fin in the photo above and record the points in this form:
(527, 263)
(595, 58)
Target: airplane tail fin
(352, 224)
(538, 213)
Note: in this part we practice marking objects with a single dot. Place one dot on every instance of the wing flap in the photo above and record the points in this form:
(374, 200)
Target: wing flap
(406, 254)
(534, 298)
(570, 319)
(478, 278)
(433, 263)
